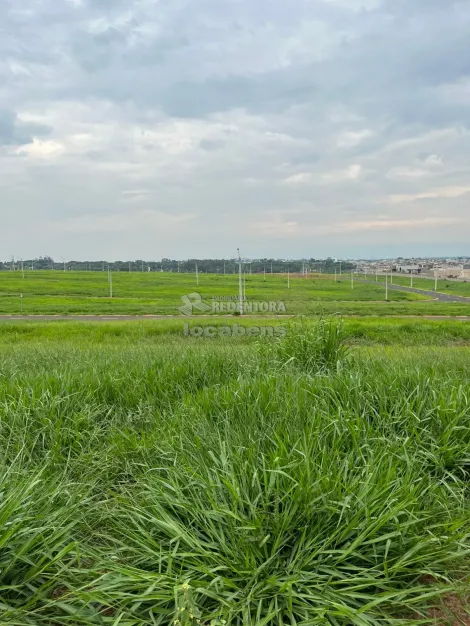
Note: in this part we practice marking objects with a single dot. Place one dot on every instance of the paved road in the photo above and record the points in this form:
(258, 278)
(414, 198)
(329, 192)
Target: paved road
(441, 297)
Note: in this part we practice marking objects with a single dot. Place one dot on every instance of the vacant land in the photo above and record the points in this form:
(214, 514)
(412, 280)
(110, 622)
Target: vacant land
(453, 287)
(159, 293)
(148, 478)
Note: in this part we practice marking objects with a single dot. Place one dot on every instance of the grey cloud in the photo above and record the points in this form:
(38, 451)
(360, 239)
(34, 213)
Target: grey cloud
(13, 132)
(271, 110)
(210, 145)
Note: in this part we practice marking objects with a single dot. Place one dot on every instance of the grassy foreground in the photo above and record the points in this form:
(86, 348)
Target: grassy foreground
(148, 478)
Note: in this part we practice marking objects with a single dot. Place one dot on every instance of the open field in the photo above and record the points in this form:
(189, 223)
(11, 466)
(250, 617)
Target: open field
(454, 287)
(149, 478)
(50, 292)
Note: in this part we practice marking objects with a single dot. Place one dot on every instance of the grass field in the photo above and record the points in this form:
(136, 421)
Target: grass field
(50, 292)
(359, 332)
(148, 478)
(457, 288)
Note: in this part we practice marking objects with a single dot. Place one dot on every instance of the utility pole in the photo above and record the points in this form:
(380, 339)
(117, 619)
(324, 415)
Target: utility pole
(22, 269)
(435, 282)
(265, 273)
(197, 276)
(335, 275)
(240, 283)
(288, 278)
(352, 279)
(142, 266)
(386, 287)
(411, 279)
(271, 267)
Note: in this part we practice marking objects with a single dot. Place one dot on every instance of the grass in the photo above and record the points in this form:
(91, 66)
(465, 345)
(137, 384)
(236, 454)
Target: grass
(367, 331)
(457, 288)
(149, 478)
(50, 292)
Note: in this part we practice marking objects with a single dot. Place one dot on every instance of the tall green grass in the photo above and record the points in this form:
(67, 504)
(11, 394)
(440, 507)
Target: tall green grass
(312, 348)
(208, 482)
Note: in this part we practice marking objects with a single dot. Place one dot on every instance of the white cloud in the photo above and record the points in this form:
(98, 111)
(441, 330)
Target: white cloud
(299, 179)
(352, 172)
(42, 149)
(443, 192)
(351, 139)
(433, 160)
(407, 172)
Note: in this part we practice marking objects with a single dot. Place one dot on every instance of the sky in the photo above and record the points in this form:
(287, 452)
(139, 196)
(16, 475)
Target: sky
(188, 128)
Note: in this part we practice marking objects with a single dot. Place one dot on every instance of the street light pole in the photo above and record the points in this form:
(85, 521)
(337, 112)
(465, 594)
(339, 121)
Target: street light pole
(240, 282)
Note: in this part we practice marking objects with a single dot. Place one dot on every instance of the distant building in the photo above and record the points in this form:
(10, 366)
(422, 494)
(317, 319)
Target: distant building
(465, 272)
(408, 269)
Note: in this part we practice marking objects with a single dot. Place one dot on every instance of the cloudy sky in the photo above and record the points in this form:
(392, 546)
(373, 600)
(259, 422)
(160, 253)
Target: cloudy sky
(183, 128)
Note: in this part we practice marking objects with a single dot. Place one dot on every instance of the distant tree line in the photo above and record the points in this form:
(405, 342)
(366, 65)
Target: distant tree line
(210, 266)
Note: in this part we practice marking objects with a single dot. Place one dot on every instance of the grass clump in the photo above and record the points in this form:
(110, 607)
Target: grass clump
(310, 347)
(180, 481)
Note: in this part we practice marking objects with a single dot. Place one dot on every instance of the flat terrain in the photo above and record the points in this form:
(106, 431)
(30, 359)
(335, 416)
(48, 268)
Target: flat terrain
(52, 292)
(137, 294)
(424, 290)
(152, 478)
(453, 287)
